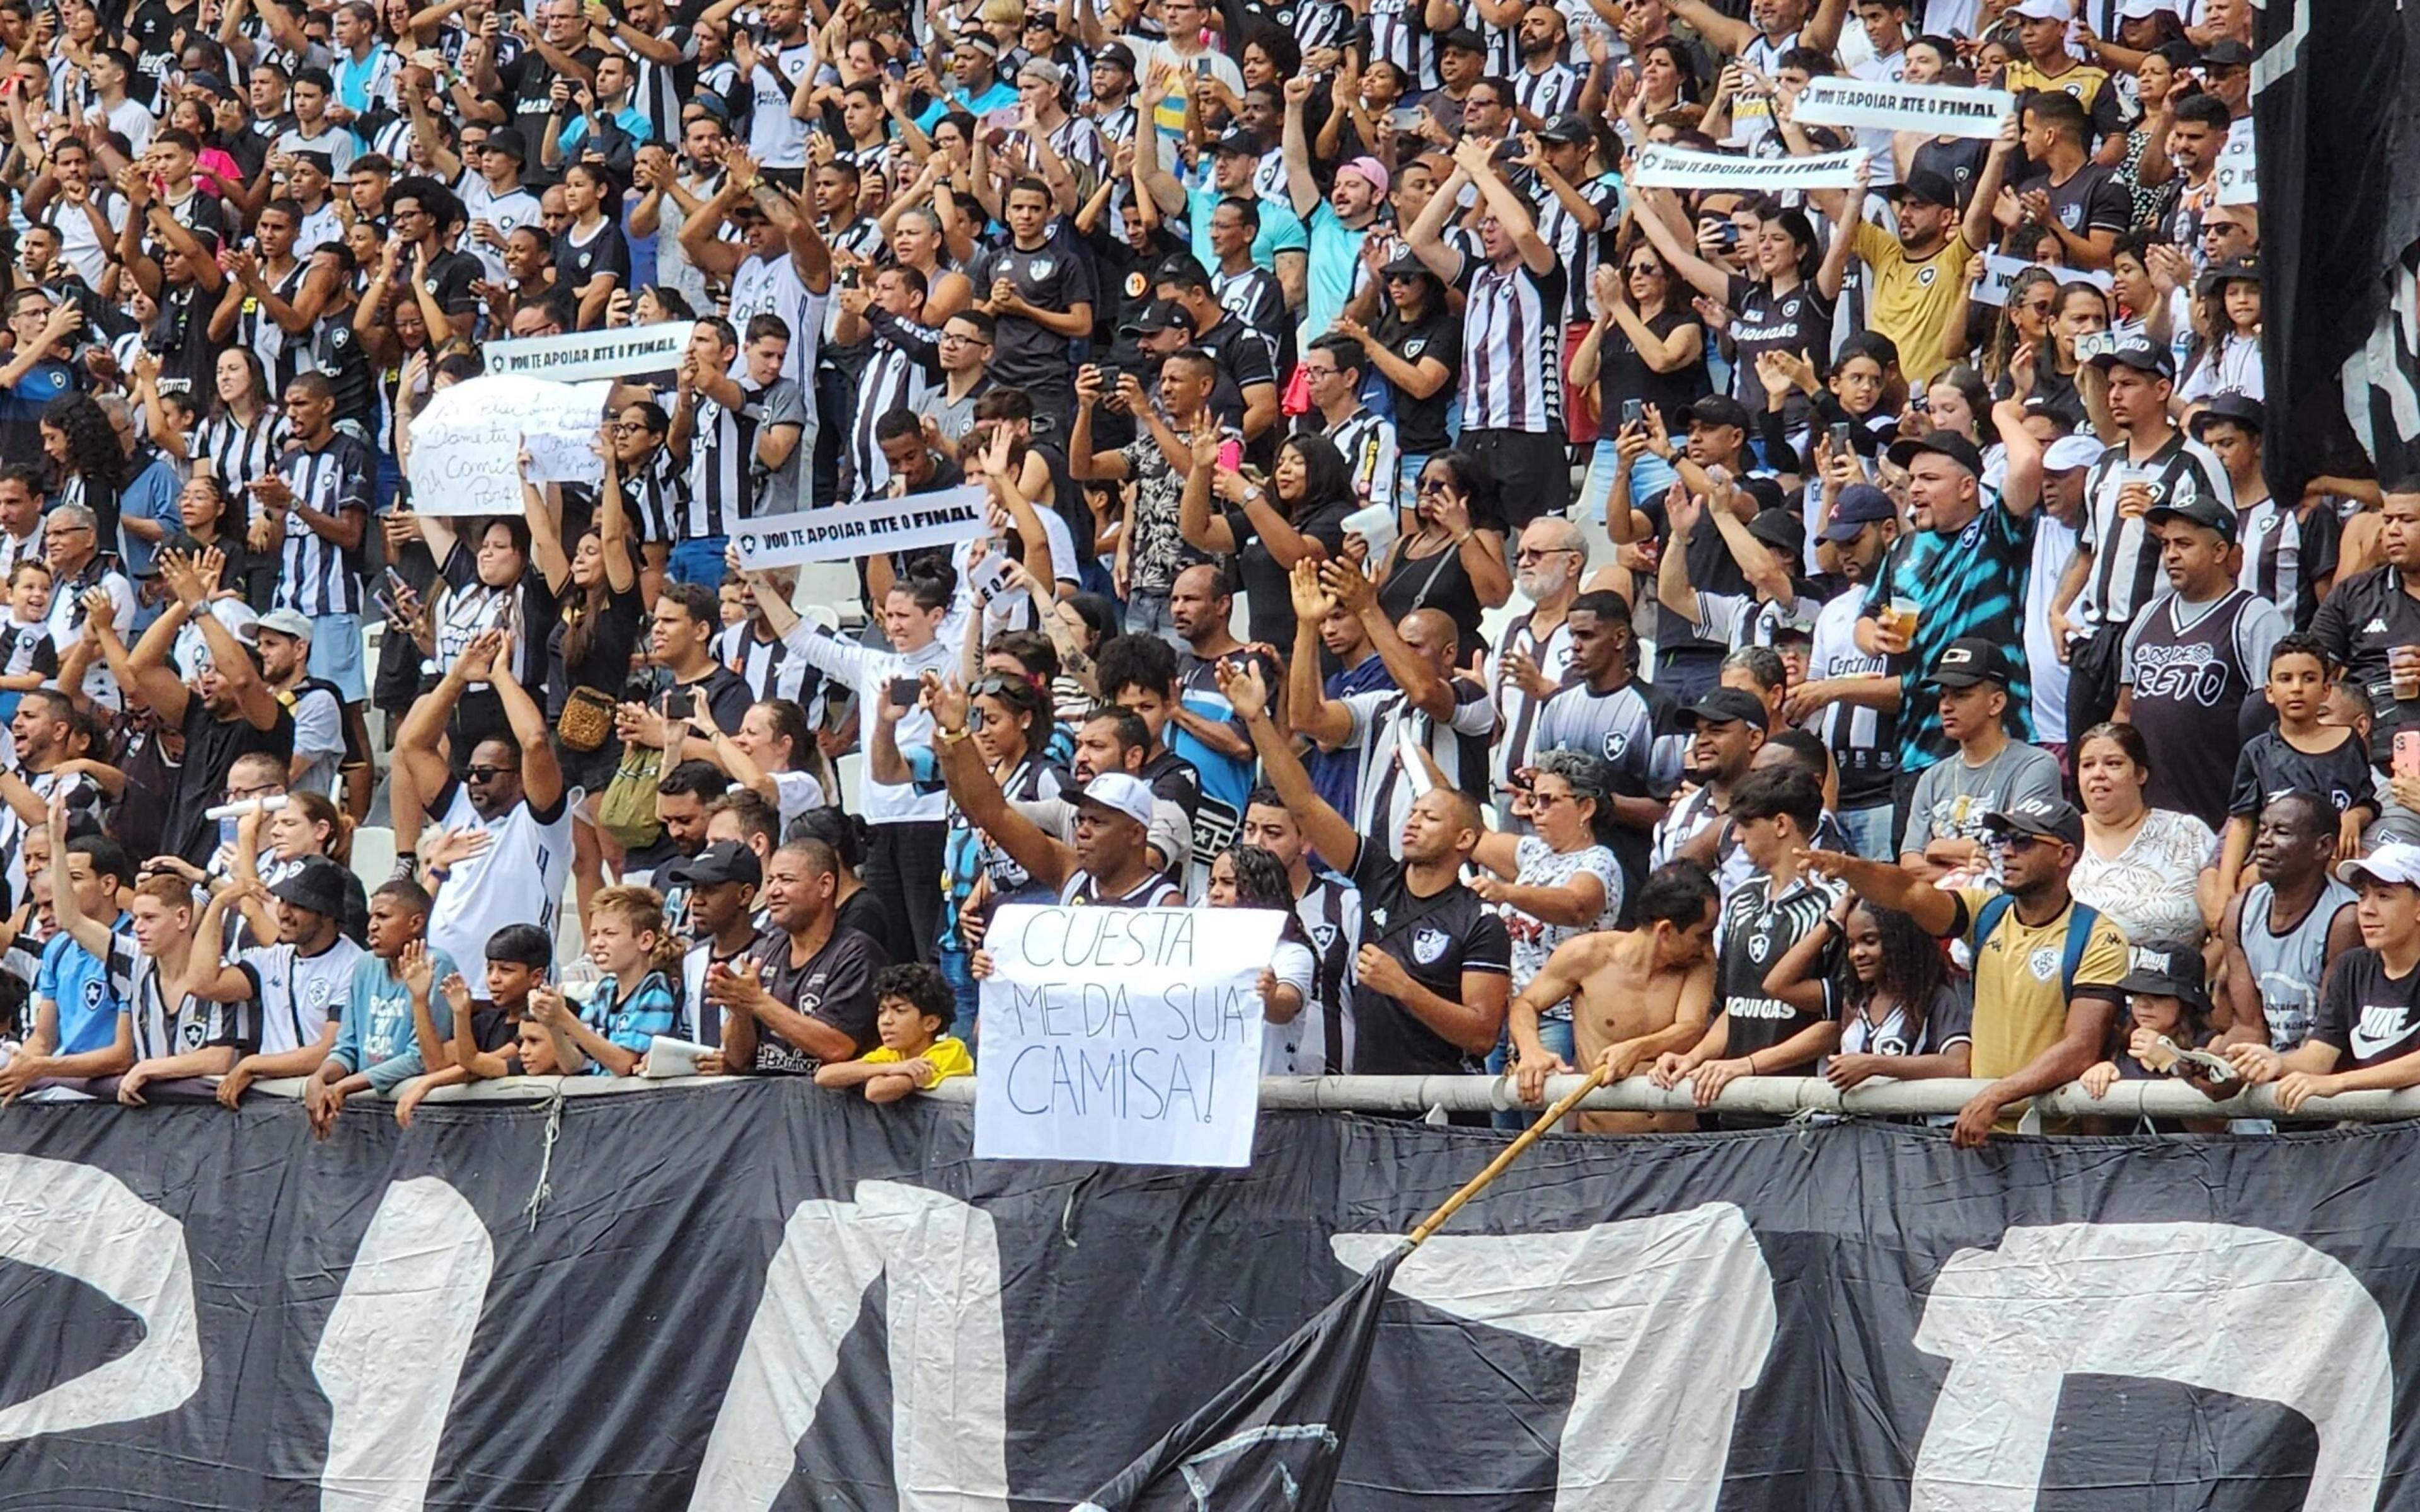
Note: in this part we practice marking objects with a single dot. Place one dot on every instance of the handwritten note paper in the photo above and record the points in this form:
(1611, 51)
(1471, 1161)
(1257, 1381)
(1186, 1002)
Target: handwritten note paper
(1129, 1035)
(466, 444)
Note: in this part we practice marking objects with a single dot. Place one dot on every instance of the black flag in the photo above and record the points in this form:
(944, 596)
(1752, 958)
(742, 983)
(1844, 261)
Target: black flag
(1273, 1440)
(2338, 148)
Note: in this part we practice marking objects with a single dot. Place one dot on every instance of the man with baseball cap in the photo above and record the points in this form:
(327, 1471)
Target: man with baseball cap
(1943, 836)
(1916, 283)
(1959, 574)
(2058, 523)
(301, 982)
(1849, 698)
(1727, 726)
(722, 882)
(2368, 1018)
(2048, 65)
(2149, 464)
(282, 639)
(2046, 967)
(2193, 659)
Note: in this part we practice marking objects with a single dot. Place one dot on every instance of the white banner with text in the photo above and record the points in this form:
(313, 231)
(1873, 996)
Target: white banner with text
(1130, 1034)
(1882, 105)
(844, 533)
(1669, 168)
(626, 351)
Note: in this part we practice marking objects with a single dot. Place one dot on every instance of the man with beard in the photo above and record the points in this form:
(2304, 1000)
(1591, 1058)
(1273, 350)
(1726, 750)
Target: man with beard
(227, 711)
(512, 788)
(1108, 859)
(1603, 709)
(1534, 653)
(1727, 726)
(1849, 693)
(282, 639)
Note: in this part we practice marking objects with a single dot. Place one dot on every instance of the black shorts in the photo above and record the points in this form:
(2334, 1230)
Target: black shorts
(1532, 471)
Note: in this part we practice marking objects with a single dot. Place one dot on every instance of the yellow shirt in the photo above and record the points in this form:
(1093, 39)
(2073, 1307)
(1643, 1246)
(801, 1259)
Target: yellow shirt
(2084, 81)
(948, 1057)
(2020, 1005)
(1910, 300)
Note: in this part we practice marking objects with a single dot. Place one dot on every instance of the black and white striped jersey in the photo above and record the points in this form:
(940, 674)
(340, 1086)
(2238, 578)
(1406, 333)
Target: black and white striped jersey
(891, 380)
(721, 493)
(192, 1023)
(1512, 347)
(316, 576)
(238, 455)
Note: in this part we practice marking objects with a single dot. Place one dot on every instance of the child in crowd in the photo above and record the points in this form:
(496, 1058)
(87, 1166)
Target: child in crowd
(378, 1041)
(914, 1010)
(629, 943)
(28, 657)
(497, 1036)
(2305, 751)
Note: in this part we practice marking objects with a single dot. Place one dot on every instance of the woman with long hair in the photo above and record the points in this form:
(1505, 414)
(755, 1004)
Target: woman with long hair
(271, 846)
(592, 256)
(588, 650)
(1956, 400)
(213, 512)
(2150, 870)
(242, 433)
(1784, 291)
(2026, 318)
(88, 466)
(1647, 346)
(1450, 557)
(1269, 524)
(1249, 876)
(1899, 1018)
(764, 754)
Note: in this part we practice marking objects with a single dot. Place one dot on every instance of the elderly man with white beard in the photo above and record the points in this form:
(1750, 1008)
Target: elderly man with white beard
(1534, 654)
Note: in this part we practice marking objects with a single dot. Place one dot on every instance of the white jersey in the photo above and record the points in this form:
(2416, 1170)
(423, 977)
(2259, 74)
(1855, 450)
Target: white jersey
(300, 993)
(516, 880)
(515, 207)
(762, 285)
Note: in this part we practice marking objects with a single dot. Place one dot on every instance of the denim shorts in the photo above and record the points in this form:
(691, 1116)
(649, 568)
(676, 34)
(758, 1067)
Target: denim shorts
(336, 653)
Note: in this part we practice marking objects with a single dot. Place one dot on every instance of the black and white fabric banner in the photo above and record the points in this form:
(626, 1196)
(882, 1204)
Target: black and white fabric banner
(759, 1296)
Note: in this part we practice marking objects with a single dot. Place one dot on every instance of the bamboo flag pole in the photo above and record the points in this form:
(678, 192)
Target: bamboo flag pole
(1512, 1151)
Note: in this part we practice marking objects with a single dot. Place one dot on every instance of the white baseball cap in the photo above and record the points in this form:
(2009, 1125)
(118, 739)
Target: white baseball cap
(2393, 862)
(2069, 453)
(2138, 10)
(1124, 793)
(2043, 11)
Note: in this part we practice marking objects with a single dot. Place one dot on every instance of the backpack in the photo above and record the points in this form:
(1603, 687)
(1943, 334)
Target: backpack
(2079, 935)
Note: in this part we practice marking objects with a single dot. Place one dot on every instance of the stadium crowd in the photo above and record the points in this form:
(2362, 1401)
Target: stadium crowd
(1842, 631)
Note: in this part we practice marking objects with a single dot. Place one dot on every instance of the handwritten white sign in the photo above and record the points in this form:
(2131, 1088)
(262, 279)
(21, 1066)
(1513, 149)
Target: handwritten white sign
(625, 352)
(1129, 1035)
(2000, 275)
(466, 445)
(845, 532)
(1879, 104)
(1658, 166)
(2239, 166)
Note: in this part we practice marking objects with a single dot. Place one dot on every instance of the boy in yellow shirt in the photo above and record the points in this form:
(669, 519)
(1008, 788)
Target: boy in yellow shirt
(913, 1011)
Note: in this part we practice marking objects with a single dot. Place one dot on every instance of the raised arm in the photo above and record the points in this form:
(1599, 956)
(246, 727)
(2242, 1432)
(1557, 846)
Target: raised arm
(1329, 832)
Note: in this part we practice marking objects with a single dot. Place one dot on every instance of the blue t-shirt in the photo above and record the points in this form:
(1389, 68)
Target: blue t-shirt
(1281, 229)
(1000, 96)
(633, 1022)
(151, 496)
(375, 1036)
(1970, 583)
(22, 405)
(1334, 254)
(90, 993)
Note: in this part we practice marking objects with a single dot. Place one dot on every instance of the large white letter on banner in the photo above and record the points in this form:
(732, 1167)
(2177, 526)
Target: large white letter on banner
(394, 1344)
(2225, 1308)
(949, 1357)
(82, 1222)
(1672, 1316)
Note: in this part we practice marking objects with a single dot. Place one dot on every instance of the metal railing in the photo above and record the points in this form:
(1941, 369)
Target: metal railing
(1779, 1096)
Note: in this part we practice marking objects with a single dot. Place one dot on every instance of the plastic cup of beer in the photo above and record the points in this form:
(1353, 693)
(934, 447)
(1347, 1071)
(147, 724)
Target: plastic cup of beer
(1902, 619)
(2403, 666)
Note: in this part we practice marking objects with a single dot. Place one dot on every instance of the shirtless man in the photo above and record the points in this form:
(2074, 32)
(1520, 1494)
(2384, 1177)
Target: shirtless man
(1635, 995)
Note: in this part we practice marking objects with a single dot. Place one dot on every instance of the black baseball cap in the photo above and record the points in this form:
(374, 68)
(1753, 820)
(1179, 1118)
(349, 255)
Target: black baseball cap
(1115, 56)
(509, 140)
(1718, 409)
(1966, 661)
(1462, 38)
(1860, 504)
(2042, 818)
(1947, 443)
(318, 885)
(1571, 131)
(2218, 275)
(2199, 508)
(1237, 142)
(1728, 705)
(1926, 187)
(725, 861)
(1782, 531)
(1406, 266)
(2226, 52)
(1161, 314)
(2235, 409)
(2171, 968)
(2139, 352)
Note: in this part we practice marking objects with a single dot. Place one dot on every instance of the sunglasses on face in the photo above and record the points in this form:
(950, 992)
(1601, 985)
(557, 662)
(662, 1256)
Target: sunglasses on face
(487, 774)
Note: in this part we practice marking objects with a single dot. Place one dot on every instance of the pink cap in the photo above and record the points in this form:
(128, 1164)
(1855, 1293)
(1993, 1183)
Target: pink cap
(1369, 168)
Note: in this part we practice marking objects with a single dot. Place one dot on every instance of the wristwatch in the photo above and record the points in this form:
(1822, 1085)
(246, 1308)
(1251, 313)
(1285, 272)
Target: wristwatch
(951, 737)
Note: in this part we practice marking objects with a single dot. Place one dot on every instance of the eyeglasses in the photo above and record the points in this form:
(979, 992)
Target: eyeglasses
(235, 794)
(62, 532)
(1527, 554)
(1311, 372)
(1433, 485)
(488, 774)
